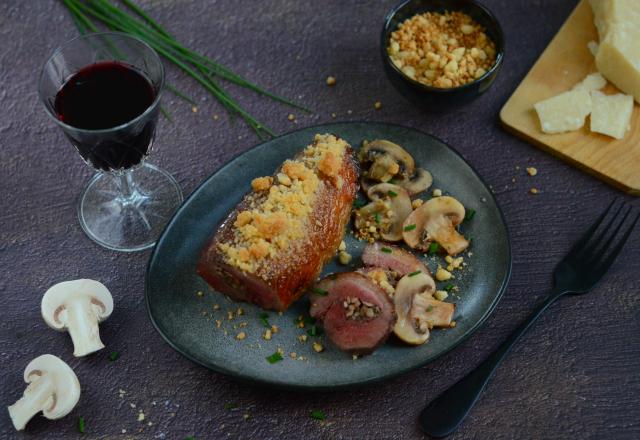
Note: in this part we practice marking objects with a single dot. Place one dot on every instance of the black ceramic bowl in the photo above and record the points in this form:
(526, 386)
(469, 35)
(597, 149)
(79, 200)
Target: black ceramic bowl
(433, 98)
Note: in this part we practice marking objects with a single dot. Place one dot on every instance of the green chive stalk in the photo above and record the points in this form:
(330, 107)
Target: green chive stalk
(201, 68)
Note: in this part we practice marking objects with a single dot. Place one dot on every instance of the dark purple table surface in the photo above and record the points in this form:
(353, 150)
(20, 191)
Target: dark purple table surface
(575, 375)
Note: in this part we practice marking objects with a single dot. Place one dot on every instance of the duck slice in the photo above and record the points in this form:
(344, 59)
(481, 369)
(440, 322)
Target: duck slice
(357, 315)
(393, 258)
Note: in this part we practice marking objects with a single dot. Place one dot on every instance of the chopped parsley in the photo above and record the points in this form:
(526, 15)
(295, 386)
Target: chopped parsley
(318, 415)
(319, 291)
(449, 287)
(433, 248)
(392, 193)
(359, 203)
(386, 250)
(264, 319)
(429, 308)
(81, 425)
(410, 227)
(392, 181)
(314, 331)
(275, 357)
(413, 274)
(309, 320)
(377, 217)
(113, 356)
(230, 406)
(469, 214)
(190, 438)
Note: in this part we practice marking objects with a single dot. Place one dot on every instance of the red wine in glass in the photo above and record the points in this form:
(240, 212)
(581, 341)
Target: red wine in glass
(102, 96)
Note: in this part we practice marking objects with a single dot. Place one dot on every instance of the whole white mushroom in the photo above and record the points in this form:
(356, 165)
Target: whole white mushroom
(53, 389)
(77, 307)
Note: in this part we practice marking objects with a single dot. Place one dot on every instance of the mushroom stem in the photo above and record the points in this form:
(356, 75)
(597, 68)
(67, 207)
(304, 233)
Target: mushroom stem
(38, 396)
(82, 324)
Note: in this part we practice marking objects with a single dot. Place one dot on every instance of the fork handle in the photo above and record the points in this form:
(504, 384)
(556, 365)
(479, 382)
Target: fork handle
(445, 413)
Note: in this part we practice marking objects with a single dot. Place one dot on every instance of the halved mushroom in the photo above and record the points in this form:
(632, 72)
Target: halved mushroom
(408, 289)
(429, 310)
(77, 307)
(387, 160)
(53, 389)
(418, 182)
(436, 220)
(399, 208)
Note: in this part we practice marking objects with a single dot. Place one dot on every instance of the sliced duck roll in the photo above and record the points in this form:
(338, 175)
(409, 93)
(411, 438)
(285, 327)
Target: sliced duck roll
(357, 315)
(391, 257)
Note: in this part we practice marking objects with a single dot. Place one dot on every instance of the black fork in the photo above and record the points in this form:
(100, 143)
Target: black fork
(580, 270)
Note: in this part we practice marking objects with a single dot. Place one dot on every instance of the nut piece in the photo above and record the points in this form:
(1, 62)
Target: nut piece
(77, 307)
(53, 389)
(442, 274)
(532, 171)
(331, 81)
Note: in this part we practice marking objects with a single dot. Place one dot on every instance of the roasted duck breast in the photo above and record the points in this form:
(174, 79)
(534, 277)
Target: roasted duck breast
(273, 245)
(357, 315)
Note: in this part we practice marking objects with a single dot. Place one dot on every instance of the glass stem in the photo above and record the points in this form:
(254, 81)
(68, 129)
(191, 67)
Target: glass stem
(127, 186)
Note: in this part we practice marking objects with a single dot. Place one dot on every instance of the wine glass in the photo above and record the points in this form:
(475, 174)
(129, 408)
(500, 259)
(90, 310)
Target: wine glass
(104, 91)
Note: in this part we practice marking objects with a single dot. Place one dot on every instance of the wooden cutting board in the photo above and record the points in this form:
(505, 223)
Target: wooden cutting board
(565, 62)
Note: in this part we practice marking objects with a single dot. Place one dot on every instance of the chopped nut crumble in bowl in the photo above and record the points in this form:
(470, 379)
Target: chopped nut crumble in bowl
(441, 54)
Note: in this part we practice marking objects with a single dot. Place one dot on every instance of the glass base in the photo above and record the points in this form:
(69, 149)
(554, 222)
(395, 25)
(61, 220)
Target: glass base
(127, 213)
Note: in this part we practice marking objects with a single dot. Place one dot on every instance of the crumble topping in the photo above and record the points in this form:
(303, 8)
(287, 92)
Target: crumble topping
(277, 212)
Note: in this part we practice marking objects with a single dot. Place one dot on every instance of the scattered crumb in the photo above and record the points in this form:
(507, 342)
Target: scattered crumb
(513, 180)
(218, 323)
(517, 167)
(437, 192)
(124, 431)
(216, 117)
(194, 109)
(349, 112)
(140, 416)
(240, 336)
(216, 307)
(267, 335)
(280, 313)
(240, 311)
(354, 357)
(302, 338)
(293, 355)
(333, 115)
(229, 315)
(377, 105)
(132, 405)
(532, 171)
(343, 246)
(331, 80)
(534, 191)
(200, 293)
(291, 117)
(274, 328)
(245, 416)
(317, 347)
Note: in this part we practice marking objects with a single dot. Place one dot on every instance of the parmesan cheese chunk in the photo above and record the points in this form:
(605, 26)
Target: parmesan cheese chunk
(564, 112)
(595, 81)
(611, 114)
(618, 58)
(609, 13)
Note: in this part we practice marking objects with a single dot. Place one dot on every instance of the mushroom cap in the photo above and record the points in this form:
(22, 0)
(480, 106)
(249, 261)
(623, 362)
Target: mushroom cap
(55, 299)
(436, 220)
(400, 206)
(409, 287)
(65, 382)
(416, 183)
(379, 148)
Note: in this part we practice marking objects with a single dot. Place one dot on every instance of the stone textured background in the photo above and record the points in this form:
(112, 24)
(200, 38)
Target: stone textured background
(575, 375)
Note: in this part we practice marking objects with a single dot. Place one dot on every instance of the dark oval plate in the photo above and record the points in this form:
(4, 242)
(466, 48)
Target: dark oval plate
(187, 321)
